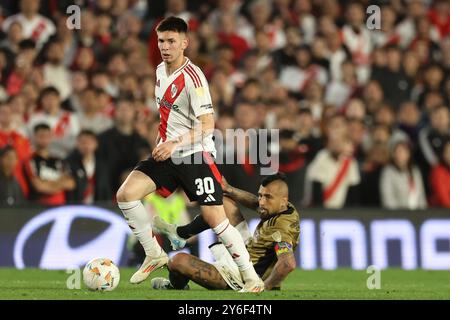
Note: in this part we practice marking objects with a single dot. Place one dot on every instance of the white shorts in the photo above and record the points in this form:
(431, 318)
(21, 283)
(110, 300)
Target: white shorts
(227, 267)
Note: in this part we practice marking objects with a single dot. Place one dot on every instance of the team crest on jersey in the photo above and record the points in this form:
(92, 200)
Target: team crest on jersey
(173, 90)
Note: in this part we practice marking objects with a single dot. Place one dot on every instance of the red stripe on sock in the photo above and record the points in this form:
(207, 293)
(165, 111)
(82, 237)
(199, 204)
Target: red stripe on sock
(223, 230)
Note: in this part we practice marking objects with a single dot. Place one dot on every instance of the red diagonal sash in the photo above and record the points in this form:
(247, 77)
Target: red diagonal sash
(62, 124)
(165, 105)
(331, 189)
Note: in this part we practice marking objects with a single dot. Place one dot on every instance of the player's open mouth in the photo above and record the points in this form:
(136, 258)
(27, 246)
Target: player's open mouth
(165, 55)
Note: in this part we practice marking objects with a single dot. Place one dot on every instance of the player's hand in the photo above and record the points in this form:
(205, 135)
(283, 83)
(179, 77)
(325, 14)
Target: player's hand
(227, 189)
(164, 150)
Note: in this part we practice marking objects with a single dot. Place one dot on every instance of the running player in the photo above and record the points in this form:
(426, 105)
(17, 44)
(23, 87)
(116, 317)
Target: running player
(271, 248)
(183, 157)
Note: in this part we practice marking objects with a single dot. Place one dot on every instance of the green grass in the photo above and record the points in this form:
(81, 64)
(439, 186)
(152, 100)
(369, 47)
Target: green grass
(337, 284)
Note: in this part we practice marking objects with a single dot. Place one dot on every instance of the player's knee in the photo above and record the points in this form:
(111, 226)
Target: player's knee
(177, 262)
(124, 194)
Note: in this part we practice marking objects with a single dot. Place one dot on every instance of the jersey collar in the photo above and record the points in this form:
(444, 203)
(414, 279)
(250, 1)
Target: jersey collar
(179, 69)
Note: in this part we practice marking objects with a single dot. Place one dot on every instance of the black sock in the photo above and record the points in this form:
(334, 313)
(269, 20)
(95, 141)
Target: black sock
(193, 228)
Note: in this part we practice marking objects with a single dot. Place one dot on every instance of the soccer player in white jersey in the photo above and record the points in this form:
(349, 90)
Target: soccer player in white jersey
(183, 157)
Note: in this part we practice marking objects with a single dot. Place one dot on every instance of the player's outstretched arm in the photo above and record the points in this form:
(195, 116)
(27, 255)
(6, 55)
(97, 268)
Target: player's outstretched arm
(245, 198)
(285, 265)
(204, 128)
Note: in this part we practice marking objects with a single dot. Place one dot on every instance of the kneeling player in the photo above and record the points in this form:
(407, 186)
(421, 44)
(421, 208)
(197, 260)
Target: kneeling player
(271, 248)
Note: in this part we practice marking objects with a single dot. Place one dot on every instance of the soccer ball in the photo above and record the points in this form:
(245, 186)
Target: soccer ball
(101, 274)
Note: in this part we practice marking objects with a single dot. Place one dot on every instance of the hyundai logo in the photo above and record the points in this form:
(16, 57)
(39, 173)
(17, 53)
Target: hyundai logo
(57, 253)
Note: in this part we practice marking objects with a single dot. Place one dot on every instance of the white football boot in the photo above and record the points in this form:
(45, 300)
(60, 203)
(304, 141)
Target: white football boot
(170, 230)
(149, 265)
(255, 286)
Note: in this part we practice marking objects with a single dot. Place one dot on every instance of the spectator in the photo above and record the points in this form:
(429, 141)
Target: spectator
(11, 193)
(54, 70)
(337, 54)
(340, 92)
(48, 176)
(14, 37)
(333, 178)
(64, 125)
(121, 144)
(387, 35)
(439, 179)
(394, 82)
(228, 34)
(433, 79)
(432, 138)
(409, 121)
(89, 170)
(23, 67)
(376, 158)
(296, 78)
(35, 26)
(10, 136)
(79, 82)
(314, 100)
(401, 185)
(356, 37)
(297, 150)
(285, 56)
(66, 37)
(91, 117)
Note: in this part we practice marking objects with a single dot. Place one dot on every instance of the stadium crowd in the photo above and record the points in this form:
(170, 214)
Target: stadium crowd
(363, 114)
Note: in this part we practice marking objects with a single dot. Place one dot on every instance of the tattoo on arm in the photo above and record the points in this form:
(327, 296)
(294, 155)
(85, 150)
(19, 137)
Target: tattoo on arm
(245, 198)
(285, 264)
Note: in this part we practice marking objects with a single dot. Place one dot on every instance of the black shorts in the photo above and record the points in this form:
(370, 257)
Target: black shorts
(197, 174)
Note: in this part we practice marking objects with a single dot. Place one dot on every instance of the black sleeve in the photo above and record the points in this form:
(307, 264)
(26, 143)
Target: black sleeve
(317, 194)
(353, 196)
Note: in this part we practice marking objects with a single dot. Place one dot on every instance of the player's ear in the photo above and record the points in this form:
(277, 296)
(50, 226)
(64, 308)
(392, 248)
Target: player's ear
(285, 201)
(184, 43)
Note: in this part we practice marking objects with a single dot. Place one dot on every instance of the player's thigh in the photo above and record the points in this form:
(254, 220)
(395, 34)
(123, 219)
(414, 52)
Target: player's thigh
(232, 211)
(213, 215)
(201, 181)
(135, 187)
(199, 271)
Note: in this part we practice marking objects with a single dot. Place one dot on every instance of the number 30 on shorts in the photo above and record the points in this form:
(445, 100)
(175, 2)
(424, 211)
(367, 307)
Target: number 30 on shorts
(205, 185)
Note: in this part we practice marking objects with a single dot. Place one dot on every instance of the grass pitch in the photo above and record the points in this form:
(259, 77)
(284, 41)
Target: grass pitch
(319, 284)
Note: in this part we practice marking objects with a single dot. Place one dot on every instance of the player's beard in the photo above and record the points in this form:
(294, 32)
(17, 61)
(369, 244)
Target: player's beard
(263, 213)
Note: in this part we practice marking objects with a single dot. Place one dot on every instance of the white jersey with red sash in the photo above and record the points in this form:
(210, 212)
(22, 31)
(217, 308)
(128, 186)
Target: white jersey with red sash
(181, 98)
(38, 28)
(335, 175)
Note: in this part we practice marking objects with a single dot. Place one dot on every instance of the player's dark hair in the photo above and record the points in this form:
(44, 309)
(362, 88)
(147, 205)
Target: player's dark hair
(41, 126)
(172, 24)
(279, 176)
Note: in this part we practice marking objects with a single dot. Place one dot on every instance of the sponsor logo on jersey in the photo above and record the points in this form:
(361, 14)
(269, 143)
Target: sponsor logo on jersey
(167, 104)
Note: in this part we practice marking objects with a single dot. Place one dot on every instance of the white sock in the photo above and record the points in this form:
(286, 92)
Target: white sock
(140, 223)
(242, 228)
(234, 243)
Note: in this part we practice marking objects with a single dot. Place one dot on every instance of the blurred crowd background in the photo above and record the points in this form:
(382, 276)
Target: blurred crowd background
(363, 114)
